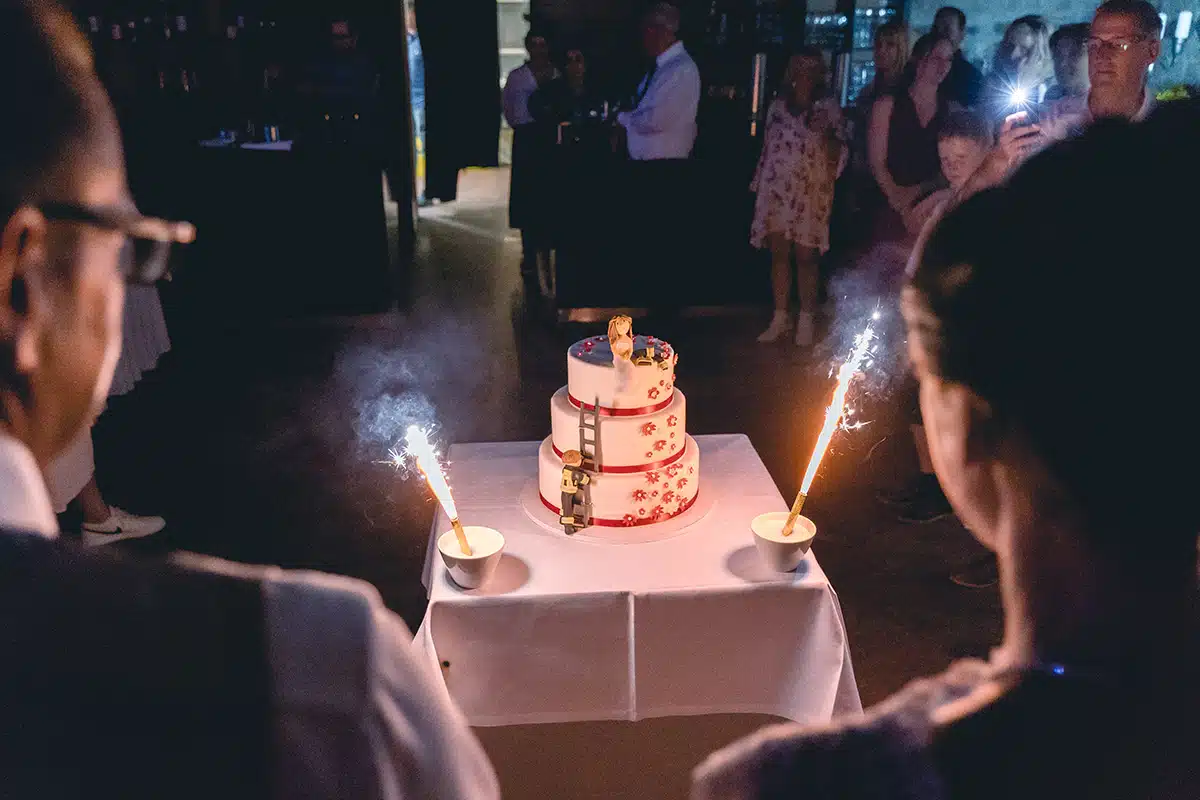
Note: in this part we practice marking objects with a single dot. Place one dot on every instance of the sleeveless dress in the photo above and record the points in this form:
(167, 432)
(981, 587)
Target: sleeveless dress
(144, 340)
(912, 158)
(794, 180)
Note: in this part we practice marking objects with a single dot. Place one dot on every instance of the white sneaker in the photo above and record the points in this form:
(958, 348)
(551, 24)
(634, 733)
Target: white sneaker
(804, 329)
(120, 525)
(780, 324)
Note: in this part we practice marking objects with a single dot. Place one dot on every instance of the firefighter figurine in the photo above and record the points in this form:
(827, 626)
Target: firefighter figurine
(575, 493)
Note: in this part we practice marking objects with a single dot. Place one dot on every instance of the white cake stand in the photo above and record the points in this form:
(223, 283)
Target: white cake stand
(546, 519)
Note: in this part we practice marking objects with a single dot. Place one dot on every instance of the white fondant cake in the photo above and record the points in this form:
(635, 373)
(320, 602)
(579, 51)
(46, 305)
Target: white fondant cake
(640, 464)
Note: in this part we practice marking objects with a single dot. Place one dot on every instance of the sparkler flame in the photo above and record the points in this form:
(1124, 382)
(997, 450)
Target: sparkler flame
(834, 415)
(418, 448)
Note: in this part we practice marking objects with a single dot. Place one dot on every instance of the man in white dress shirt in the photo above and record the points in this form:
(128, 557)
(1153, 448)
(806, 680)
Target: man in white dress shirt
(662, 125)
(145, 679)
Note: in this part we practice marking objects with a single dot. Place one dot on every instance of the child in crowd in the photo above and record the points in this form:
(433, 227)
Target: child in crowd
(963, 143)
(801, 159)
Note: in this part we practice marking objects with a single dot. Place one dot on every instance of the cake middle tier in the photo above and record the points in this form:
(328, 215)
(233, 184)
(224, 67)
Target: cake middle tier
(639, 498)
(626, 444)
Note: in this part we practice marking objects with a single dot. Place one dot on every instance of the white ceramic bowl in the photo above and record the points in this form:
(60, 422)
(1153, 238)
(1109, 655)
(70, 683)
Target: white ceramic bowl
(475, 570)
(782, 553)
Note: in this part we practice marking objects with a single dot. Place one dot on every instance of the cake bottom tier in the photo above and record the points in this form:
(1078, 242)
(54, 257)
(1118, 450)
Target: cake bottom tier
(637, 498)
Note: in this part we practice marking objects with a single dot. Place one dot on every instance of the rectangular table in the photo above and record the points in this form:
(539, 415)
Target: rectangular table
(572, 630)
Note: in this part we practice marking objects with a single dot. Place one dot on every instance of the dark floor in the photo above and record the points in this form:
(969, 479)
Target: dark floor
(261, 442)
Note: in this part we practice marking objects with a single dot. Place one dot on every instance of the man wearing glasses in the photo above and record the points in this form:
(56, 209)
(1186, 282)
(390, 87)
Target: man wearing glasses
(1122, 46)
(137, 678)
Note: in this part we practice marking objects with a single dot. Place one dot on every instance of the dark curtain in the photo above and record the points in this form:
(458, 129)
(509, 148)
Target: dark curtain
(459, 39)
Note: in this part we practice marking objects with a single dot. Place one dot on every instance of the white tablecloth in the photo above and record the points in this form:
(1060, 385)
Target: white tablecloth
(573, 630)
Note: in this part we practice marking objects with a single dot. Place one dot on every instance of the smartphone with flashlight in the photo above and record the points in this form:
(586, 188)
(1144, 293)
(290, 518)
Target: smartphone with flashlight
(1024, 118)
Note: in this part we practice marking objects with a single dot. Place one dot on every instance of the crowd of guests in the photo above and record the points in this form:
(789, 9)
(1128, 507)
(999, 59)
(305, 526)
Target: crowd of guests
(132, 678)
(930, 130)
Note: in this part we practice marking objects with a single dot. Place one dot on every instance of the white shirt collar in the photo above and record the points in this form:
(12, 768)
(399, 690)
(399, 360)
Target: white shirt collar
(672, 52)
(1148, 101)
(24, 501)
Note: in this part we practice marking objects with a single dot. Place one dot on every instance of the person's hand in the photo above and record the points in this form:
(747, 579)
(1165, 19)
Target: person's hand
(820, 120)
(1015, 144)
(903, 198)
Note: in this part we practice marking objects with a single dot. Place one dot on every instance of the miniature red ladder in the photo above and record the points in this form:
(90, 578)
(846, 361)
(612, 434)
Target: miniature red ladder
(590, 421)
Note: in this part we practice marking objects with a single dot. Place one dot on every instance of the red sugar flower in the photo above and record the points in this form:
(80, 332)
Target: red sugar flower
(629, 519)
(672, 421)
(652, 477)
(639, 495)
(641, 512)
(682, 482)
(657, 511)
(653, 393)
(648, 429)
(668, 497)
(660, 445)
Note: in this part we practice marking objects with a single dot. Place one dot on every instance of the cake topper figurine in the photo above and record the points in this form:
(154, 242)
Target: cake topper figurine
(575, 493)
(620, 337)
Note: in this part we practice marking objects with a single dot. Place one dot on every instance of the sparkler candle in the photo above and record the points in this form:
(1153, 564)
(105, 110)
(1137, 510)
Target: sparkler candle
(833, 416)
(418, 448)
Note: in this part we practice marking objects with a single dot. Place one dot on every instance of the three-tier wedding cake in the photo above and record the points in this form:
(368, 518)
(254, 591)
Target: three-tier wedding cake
(618, 453)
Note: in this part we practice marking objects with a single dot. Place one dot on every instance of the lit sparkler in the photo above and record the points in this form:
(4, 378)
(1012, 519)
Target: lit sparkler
(834, 415)
(418, 448)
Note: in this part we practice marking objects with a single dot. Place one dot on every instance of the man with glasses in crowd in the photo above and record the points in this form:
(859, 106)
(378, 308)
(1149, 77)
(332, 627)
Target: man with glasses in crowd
(1122, 46)
(136, 678)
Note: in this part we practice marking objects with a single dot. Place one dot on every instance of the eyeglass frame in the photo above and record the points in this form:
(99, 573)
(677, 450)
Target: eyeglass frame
(1115, 45)
(159, 234)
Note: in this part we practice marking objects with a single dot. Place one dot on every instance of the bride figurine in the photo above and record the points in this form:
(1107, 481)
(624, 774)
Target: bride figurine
(620, 337)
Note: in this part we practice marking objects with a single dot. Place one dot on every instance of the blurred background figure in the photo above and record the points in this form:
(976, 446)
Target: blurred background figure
(891, 45)
(532, 151)
(902, 142)
(1068, 49)
(964, 84)
(1022, 70)
(416, 91)
(571, 98)
(343, 83)
(800, 162)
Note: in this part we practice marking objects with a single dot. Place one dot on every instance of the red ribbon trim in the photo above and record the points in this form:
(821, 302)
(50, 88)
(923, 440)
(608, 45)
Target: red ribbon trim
(631, 470)
(620, 523)
(605, 411)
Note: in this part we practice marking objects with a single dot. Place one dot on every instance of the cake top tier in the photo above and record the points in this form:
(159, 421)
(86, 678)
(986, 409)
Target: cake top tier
(643, 382)
(598, 350)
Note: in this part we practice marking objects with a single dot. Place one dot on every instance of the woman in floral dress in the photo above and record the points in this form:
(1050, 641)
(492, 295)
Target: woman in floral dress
(802, 157)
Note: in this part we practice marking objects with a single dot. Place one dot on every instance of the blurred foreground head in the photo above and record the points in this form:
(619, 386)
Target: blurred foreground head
(1051, 323)
(61, 293)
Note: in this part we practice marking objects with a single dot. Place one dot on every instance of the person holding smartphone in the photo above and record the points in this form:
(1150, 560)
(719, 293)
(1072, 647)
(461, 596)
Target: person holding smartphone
(1122, 46)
